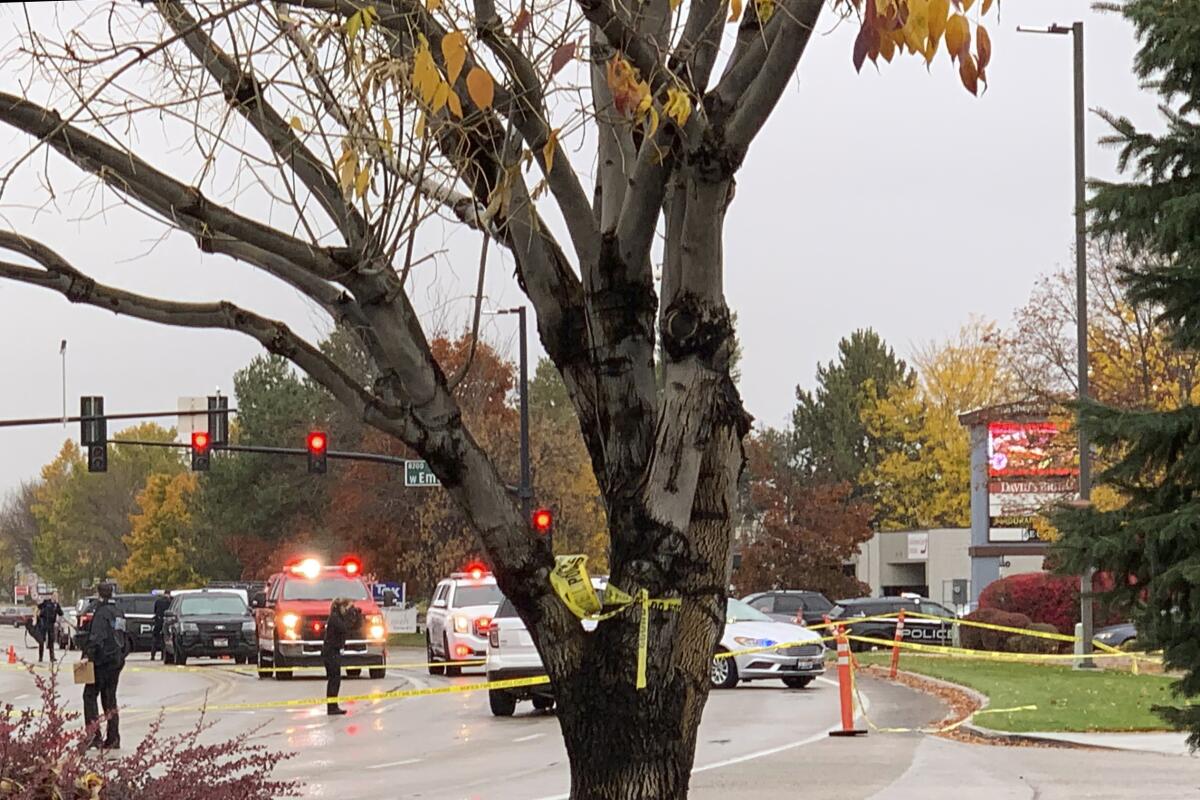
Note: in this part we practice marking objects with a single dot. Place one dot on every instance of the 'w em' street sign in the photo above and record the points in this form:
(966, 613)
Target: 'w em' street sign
(418, 473)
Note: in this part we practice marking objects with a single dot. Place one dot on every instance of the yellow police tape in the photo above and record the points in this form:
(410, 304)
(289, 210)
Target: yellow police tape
(1058, 637)
(397, 694)
(962, 652)
(571, 583)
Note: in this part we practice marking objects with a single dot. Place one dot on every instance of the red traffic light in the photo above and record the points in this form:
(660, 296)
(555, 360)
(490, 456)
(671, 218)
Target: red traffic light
(200, 440)
(543, 520)
(317, 442)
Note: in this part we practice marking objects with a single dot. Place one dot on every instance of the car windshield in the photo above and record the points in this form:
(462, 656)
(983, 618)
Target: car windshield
(488, 594)
(327, 588)
(737, 611)
(213, 604)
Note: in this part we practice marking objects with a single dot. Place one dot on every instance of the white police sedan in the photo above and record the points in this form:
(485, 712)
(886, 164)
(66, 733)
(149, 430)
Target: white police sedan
(746, 628)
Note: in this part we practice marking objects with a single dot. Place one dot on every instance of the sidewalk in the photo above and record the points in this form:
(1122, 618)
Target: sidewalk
(901, 766)
(1171, 744)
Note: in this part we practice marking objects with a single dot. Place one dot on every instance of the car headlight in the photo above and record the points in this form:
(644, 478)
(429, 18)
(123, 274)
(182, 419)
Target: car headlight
(247, 627)
(746, 641)
(189, 627)
(461, 624)
(289, 621)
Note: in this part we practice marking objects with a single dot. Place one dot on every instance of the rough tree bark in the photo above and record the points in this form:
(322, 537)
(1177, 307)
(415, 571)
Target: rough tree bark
(667, 463)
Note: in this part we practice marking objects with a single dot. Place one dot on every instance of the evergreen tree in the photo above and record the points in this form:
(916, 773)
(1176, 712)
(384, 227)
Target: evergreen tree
(830, 441)
(1152, 544)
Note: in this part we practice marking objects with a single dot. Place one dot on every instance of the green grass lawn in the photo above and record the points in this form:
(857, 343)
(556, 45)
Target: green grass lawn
(406, 640)
(1066, 700)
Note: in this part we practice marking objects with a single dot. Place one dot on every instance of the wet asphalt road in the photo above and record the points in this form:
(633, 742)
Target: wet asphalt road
(443, 747)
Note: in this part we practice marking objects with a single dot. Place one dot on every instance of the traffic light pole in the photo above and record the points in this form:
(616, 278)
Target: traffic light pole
(378, 458)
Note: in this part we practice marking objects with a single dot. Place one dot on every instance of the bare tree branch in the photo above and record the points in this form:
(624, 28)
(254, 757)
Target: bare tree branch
(696, 54)
(245, 94)
(178, 204)
(797, 20)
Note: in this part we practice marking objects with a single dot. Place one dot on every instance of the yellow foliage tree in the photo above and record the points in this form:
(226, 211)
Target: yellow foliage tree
(922, 478)
(161, 542)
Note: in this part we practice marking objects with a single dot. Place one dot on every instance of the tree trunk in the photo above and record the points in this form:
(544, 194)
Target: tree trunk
(630, 744)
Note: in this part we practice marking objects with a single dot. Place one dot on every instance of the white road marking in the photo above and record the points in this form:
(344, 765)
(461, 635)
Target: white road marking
(530, 737)
(395, 763)
(20, 697)
(816, 737)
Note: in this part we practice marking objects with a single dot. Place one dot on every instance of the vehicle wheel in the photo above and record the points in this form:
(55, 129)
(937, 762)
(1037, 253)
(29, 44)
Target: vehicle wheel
(797, 682)
(543, 703)
(449, 669)
(434, 667)
(353, 673)
(180, 657)
(283, 675)
(724, 674)
(168, 656)
(239, 659)
(503, 703)
(263, 674)
(378, 673)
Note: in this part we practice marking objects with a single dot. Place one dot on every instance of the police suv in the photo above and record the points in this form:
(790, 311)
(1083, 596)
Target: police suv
(916, 629)
(459, 618)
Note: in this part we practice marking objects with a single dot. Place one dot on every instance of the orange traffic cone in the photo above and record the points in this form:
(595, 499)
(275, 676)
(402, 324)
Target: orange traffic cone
(12, 654)
(845, 686)
(896, 645)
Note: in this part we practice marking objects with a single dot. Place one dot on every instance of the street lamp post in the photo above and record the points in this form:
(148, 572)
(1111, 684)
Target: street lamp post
(1081, 326)
(525, 490)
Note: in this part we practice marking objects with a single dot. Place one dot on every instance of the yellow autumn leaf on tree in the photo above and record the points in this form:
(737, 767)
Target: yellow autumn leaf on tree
(958, 35)
(347, 169)
(631, 95)
(678, 106)
(419, 128)
(480, 87)
(440, 96)
(425, 75)
(454, 104)
(549, 148)
(987, 4)
(735, 10)
(433, 5)
(353, 24)
(652, 120)
(766, 10)
(966, 4)
(296, 124)
(937, 13)
(916, 27)
(454, 51)
(675, 4)
(362, 181)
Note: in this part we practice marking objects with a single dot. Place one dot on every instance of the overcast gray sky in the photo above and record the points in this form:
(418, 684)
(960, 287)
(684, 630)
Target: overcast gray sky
(891, 199)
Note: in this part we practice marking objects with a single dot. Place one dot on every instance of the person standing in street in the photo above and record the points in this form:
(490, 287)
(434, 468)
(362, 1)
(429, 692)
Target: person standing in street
(48, 615)
(105, 648)
(344, 620)
(161, 604)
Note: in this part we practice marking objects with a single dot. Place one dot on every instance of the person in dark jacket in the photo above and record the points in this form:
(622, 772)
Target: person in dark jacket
(345, 620)
(161, 604)
(105, 648)
(48, 614)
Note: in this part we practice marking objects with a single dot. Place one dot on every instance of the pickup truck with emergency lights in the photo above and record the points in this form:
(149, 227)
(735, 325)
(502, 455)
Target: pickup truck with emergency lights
(290, 617)
(458, 620)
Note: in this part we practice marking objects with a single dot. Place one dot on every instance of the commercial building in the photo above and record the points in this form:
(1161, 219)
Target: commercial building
(933, 563)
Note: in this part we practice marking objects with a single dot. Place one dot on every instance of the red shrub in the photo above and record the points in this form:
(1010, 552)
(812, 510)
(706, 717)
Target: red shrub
(42, 756)
(1052, 599)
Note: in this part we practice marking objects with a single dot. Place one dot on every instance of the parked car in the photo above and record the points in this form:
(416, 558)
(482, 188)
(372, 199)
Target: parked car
(16, 616)
(208, 623)
(512, 654)
(1117, 635)
(797, 665)
(138, 612)
(921, 631)
(786, 605)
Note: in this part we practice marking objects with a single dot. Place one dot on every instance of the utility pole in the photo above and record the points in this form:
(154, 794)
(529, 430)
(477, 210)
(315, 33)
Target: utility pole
(525, 489)
(1081, 326)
